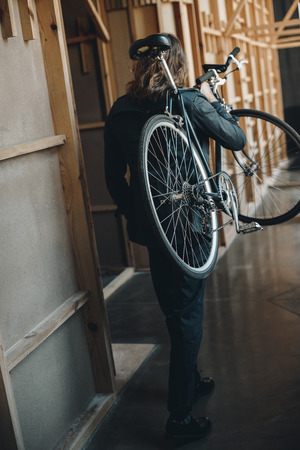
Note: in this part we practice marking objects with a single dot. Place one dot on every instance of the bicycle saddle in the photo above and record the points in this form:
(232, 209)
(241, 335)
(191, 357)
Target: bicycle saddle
(150, 46)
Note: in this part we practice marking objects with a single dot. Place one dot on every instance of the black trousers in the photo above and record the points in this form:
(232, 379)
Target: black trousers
(181, 300)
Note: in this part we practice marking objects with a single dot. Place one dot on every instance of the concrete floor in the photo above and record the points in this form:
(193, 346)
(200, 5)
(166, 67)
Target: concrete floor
(250, 346)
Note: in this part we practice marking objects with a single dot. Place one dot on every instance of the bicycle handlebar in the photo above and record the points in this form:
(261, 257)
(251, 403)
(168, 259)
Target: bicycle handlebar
(219, 68)
(234, 52)
(206, 76)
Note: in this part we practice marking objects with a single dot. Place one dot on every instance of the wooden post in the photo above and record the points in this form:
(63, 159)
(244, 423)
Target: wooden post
(75, 190)
(7, 19)
(28, 19)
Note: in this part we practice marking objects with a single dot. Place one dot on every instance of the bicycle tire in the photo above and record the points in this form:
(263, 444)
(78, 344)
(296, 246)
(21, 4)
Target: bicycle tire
(270, 192)
(184, 226)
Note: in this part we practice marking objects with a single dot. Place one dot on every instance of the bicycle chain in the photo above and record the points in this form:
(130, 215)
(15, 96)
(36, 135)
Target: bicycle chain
(210, 178)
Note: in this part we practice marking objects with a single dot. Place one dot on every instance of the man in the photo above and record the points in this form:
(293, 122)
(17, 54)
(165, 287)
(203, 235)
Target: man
(180, 297)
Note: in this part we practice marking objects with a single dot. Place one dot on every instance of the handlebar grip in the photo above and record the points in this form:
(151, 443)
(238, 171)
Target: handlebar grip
(235, 51)
(206, 76)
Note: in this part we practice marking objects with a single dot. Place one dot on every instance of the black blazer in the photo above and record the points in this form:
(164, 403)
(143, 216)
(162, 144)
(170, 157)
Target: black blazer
(122, 130)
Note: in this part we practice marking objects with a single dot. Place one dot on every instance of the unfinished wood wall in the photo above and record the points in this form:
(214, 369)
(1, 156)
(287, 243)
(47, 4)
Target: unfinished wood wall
(56, 368)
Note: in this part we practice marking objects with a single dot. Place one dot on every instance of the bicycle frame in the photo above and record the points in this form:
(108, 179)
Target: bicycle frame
(215, 194)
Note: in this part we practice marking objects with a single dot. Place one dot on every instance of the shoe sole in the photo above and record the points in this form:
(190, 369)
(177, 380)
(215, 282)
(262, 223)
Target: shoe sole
(174, 437)
(187, 436)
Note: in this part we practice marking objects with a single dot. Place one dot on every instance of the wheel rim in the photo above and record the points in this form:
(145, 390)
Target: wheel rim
(270, 190)
(184, 224)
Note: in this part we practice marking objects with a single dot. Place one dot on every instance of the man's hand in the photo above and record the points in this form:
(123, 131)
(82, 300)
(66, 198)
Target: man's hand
(205, 89)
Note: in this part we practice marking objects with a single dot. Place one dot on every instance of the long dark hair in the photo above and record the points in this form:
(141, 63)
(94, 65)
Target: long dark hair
(150, 81)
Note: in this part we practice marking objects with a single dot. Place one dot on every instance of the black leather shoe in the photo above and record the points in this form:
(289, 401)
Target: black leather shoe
(203, 387)
(189, 428)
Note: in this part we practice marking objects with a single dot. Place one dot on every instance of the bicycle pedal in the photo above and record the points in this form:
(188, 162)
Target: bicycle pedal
(250, 228)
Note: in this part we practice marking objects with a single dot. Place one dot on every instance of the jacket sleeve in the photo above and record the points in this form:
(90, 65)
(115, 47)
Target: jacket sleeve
(115, 170)
(215, 122)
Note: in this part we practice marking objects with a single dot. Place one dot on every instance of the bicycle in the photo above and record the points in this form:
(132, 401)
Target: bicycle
(183, 196)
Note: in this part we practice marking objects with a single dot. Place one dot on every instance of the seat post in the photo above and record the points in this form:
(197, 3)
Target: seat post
(167, 72)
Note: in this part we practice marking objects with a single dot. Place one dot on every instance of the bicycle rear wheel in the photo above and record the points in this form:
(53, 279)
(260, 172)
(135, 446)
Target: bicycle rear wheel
(266, 174)
(174, 183)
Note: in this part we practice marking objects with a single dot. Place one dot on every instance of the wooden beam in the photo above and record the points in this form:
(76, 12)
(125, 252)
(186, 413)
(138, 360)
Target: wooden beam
(86, 424)
(90, 126)
(79, 39)
(106, 63)
(82, 25)
(103, 208)
(31, 146)
(287, 45)
(230, 22)
(77, 202)
(272, 25)
(101, 30)
(117, 282)
(288, 32)
(7, 19)
(28, 19)
(44, 329)
(10, 429)
(287, 17)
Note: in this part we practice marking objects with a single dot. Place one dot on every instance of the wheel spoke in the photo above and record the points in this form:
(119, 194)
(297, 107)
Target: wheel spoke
(270, 192)
(168, 164)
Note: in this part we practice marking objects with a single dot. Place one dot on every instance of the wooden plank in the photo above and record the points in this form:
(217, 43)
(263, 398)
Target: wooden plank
(201, 34)
(106, 63)
(44, 329)
(117, 282)
(287, 45)
(77, 202)
(288, 32)
(91, 126)
(98, 22)
(194, 39)
(103, 208)
(250, 41)
(236, 12)
(28, 19)
(10, 429)
(82, 25)
(271, 26)
(132, 26)
(212, 31)
(287, 17)
(7, 19)
(86, 423)
(79, 39)
(289, 39)
(32, 146)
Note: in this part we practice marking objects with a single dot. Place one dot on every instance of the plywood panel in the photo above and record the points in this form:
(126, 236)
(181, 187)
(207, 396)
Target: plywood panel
(57, 370)
(38, 272)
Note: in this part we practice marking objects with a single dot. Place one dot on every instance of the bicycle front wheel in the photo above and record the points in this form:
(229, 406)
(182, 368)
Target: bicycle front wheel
(266, 174)
(174, 185)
